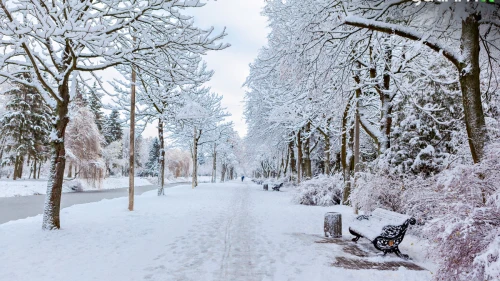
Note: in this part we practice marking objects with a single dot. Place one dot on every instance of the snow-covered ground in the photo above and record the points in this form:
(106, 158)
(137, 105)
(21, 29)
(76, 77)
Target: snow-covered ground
(232, 231)
(25, 187)
(201, 179)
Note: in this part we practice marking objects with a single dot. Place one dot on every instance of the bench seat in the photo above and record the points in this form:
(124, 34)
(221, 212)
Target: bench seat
(385, 229)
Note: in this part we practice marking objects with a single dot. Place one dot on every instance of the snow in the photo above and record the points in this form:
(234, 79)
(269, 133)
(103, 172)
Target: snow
(229, 231)
(26, 187)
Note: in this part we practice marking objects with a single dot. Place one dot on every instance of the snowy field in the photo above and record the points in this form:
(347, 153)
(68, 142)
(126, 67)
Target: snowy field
(26, 187)
(231, 231)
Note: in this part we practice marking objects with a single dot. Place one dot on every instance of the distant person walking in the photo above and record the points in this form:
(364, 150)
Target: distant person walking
(242, 178)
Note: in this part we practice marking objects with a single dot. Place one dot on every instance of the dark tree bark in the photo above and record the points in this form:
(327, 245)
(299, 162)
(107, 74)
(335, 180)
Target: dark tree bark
(214, 164)
(161, 190)
(34, 168)
(469, 71)
(293, 169)
(343, 150)
(16, 165)
(307, 152)
(223, 173)
(196, 138)
(70, 169)
(299, 157)
(285, 167)
(39, 167)
(51, 219)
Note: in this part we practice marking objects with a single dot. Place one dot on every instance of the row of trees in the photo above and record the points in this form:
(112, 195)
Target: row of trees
(385, 96)
(356, 80)
(151, 41)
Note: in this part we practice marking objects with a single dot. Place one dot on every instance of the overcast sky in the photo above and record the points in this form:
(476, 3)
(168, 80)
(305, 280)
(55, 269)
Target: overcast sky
(247, 33)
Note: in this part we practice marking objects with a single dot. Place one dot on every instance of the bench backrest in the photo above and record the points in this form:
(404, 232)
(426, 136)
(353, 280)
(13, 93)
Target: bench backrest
(396, 218)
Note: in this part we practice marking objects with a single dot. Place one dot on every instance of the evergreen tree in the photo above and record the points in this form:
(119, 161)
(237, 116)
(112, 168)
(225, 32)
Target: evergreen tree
(26, 126)
(95, 105)
(426, 133)
(112, 127)
(151, 168)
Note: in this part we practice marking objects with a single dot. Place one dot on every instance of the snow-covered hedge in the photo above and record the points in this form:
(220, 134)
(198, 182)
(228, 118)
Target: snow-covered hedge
(458, 210)
(465, 220)
(377, 190)
(322, 190)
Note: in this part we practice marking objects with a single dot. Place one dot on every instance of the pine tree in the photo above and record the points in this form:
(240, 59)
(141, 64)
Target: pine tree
(112, 127)
(26, 126)
(95, 105)
(154, 155)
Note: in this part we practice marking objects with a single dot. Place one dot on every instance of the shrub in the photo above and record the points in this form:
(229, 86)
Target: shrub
(372, 191)
(322, 191)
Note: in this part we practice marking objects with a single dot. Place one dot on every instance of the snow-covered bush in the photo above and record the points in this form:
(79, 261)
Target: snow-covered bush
(466, 220)
(322, 190)
(372, 191)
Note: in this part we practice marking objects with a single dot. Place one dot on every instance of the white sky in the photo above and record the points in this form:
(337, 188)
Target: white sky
(247, 33)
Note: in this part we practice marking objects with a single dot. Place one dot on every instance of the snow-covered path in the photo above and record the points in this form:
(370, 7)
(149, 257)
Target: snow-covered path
(231, 231)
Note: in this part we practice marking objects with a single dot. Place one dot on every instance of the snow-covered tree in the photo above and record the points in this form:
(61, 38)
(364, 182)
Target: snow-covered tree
(83, 146)
(95, 105)
(25, 127)
(153, 159)
(112, 155)
(112, 128)
(87, 36)
(197, 119)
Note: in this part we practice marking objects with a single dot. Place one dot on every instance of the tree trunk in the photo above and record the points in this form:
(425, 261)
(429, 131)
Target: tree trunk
(161, 190)
(386, 103)
(195, 159)
(285, 167)
(39, 167)
(281, 165)
(20, 167)
(307, 152)
(131, 152)
(16, 164)
(343, 152)
(356, 135)
(223, 173)
(299, 157)
(291, 151)
(51, 219)
(326, 161)
(34, 168)
(469, 71)
(214, 165)
(349, 167)
(70, 169)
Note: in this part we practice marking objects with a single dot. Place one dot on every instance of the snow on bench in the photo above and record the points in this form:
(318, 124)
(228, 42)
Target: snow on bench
(277, 187)
(385, 229)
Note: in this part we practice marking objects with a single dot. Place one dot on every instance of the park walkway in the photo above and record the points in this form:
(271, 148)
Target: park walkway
(231, 231)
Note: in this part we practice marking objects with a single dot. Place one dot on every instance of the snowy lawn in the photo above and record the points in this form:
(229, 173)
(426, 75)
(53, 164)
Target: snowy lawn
(231, 231)
(26, 187)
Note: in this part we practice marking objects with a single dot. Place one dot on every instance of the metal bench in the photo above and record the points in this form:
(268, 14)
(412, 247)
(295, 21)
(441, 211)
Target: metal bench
(385, 229)
(277, 187)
